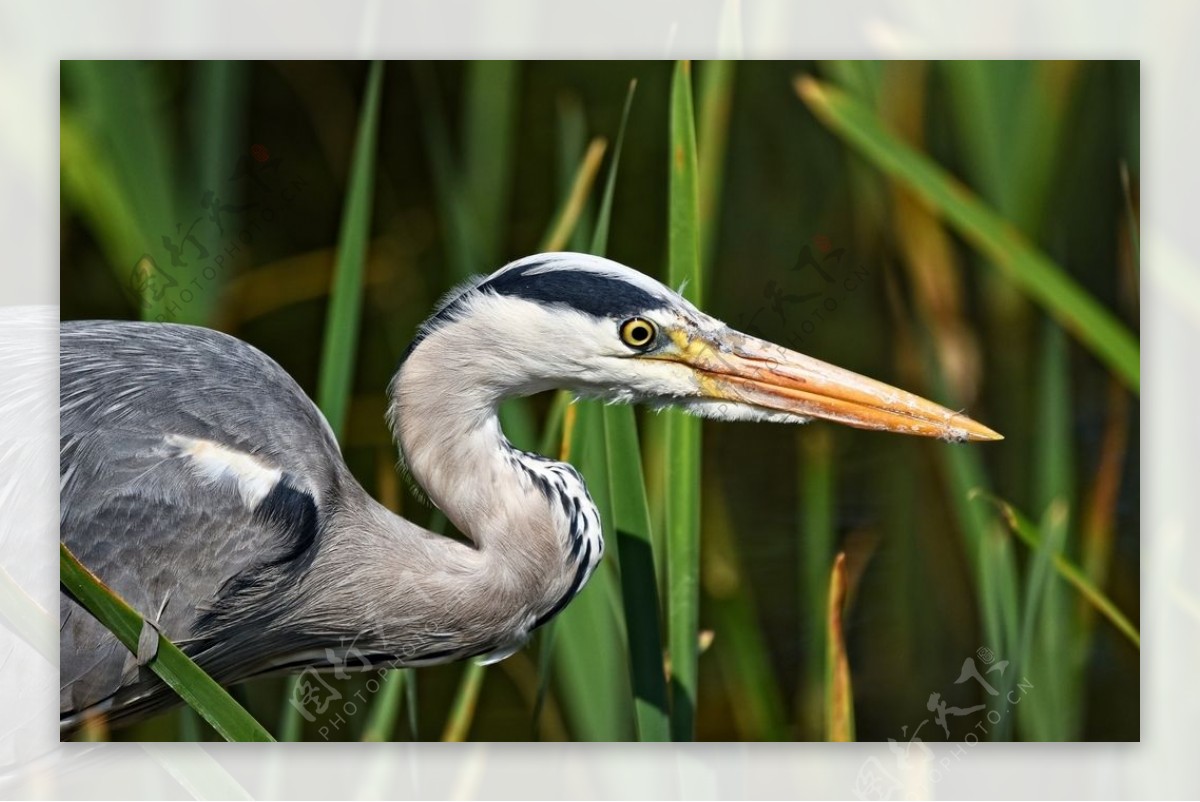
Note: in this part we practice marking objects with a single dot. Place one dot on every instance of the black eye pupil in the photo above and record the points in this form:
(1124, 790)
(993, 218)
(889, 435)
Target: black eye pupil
(637, 333)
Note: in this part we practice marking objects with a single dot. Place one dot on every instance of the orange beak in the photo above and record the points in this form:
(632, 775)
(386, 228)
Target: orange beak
(748, 371)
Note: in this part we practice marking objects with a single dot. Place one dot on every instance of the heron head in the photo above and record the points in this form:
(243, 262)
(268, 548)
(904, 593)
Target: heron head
(600, 329)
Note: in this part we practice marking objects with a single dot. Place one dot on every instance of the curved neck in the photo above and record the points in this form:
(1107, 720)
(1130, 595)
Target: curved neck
(534, 527)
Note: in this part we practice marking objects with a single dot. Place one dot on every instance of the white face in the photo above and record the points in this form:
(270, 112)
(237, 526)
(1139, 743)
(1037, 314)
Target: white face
(533, 347)
(669, 353)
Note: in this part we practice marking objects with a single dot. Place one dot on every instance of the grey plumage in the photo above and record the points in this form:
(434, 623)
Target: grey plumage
(131, 506)
(234, 585)
(200, 482)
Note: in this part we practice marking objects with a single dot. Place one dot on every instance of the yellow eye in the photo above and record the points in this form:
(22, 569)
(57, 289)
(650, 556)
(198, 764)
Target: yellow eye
(637, 332)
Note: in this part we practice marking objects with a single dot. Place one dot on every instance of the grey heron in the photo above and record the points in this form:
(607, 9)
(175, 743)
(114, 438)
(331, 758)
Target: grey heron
(202, 484)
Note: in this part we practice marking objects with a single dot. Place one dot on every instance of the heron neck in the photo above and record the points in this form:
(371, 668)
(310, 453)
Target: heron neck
(535, 529)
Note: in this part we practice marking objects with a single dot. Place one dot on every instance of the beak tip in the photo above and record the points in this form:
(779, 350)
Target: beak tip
(981, 433)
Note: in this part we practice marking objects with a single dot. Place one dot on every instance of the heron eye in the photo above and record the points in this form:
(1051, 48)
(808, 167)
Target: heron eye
(637, 332)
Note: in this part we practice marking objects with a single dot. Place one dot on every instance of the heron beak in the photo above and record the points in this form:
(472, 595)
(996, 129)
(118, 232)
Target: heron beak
(745, 370)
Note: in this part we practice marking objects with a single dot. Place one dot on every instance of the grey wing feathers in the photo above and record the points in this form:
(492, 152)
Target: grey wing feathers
(175, 443)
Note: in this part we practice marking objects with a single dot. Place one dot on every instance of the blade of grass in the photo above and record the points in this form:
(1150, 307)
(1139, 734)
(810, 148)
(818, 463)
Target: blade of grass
(928, 253)
(1052, 471)
(217, 119)
(866, 79)
(715, 91)
(744, 654)
(1034, 273)
(572, 138)
(839, 695)
(340, 343)
(453, 208)
(1054, 657)
(1012, 117)
(986, 552)
(988, 555)
(345, 298)
(410, 693)
(489, 117)
(466, 700)
(1038, 577)
(121, 102)
(1042, 123)
(91, 189)
(567, 219)
(576, 189)
(516, 421)
(186, 678)
(739, 643)
(1131, 219)
(997, 578)
(639, 589)
(217, 116)
(590, 662)
(683, 433)
(1009, 120)
(630, 516)
(600, 234)
(189, 725)
(654, 463)
(1099, 517)
(1020, 526)
(631, 521)
(817, 555)
(545, 668)
(385, 708)
(985, 98)
(521, 672)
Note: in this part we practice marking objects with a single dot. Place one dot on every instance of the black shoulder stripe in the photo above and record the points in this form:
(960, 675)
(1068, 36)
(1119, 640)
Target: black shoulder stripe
(294, 514)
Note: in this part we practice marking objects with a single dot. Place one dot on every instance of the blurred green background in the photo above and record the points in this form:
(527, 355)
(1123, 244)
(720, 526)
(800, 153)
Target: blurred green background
(224, 193)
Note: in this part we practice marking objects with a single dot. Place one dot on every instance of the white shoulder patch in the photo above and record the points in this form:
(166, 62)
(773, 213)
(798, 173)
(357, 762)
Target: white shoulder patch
(216, 463)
